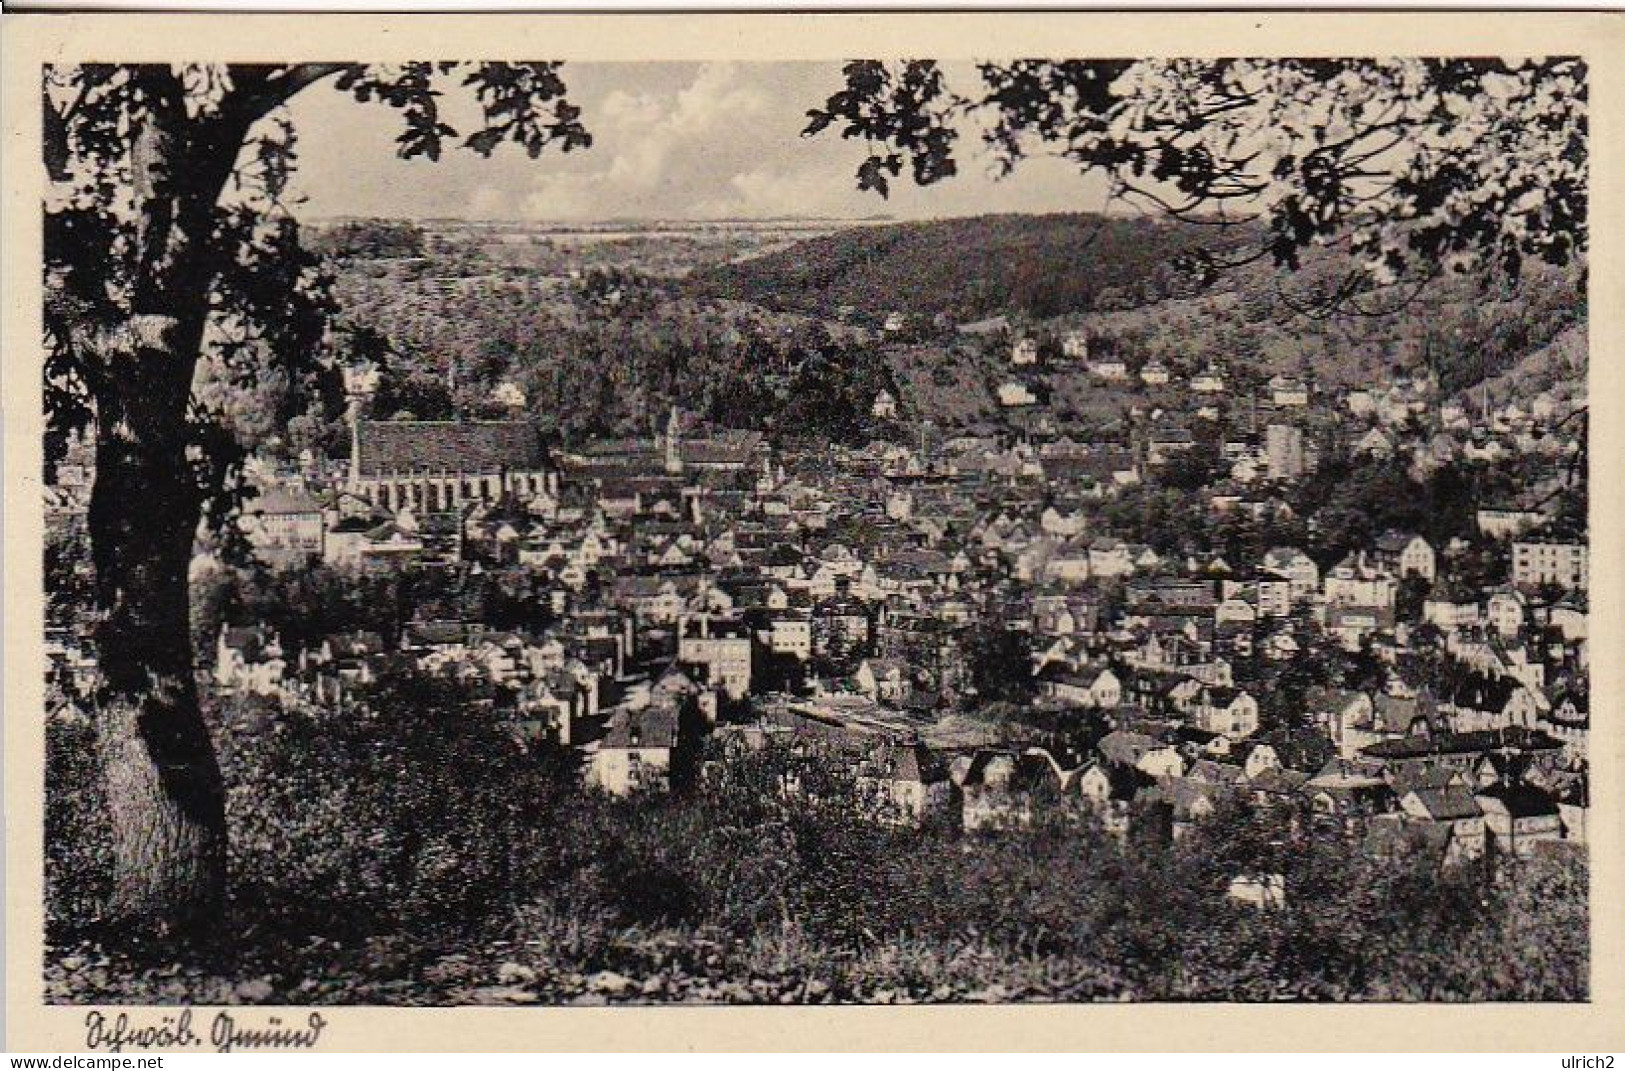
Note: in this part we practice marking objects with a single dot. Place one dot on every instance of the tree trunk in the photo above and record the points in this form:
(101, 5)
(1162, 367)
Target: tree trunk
(166, 799)
(164, 791)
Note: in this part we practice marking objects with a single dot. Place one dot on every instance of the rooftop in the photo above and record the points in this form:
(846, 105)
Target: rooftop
(389, 447)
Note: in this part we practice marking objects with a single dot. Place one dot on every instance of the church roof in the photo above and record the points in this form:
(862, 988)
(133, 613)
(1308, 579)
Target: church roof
(478, 447)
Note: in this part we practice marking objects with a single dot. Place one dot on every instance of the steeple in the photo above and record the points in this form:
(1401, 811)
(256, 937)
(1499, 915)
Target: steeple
(673, 444)
(360, 384)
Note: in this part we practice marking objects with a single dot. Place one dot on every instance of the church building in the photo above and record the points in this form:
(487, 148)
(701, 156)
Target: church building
(437, 466)
(432, 466)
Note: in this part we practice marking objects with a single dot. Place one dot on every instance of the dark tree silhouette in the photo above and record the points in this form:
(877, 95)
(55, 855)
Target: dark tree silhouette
(166, 241)
(1412, 166)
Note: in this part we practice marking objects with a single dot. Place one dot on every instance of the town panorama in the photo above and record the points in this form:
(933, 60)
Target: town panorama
(973, 609)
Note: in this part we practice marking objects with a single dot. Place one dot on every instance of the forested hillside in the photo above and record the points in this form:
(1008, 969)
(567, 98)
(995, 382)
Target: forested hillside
(1040, 266)
(771, 344)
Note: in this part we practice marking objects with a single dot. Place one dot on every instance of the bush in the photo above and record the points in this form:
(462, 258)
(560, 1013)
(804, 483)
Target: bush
(415, 810)
(407, 849)
(78, 870)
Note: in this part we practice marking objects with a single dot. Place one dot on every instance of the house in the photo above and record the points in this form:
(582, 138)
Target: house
(1281, 646)
(1260, 759)
(1142, 556)
(1360, 402)
(1287, 392)
(350, 657)
(1110, 790)
(789, 632)
(249, 660)
(1284, 454)
(885, 680)
(1449, 612)
(1212, 772)
(1569, 721)
(1014, 393)
(1276, 786)
(1406, 554)
(1266, 892)
(1565, 565)
(284, 527)
(1508, 522)
(1096, 687)
(1272, 595)
(439, 639)
(1109, 557)
(1450, 808)
(911, 783)
(1574, 807)
(1189, 801)
(1235, 611)
(1208, 381)
(508, 395)
(1519, 817)
(654, 600)
(1345, 715)
(1075, 346)
(1375, 444)
(1024, 352)
(1141, 752)
(368, 544)
(1062, 524)
(722, 646)
(1230, 712)
(1568, 617)
(1505, 612)
(1110, 369)
(1068, 563)
(1166, 441)
(1001, 790)
(1484, 701)
(1299, 569)
(1349, 789)
(1064, 615)
(885, 406)
(1357, 581)
(1354, 625)
(1154, 374)
(636, 751)
(1400, 716)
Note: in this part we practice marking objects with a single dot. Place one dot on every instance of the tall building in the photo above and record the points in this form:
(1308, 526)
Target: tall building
(1567, 565)
(673, 444)
(1284, 451)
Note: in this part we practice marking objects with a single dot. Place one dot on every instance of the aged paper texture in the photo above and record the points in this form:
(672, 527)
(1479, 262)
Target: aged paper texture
(630, 586)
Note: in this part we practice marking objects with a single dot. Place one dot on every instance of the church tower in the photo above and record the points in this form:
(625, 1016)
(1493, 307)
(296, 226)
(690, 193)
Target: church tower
(673, 444)
(360, 384)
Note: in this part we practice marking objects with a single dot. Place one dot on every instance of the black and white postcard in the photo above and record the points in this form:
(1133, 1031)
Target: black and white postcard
(1078, 521)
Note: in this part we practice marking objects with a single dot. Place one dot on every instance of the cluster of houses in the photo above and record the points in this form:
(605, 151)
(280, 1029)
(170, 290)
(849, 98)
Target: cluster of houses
(683, 587)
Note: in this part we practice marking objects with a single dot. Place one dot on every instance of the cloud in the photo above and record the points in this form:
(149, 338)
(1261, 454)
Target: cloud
(820, 188)
(488, 202)
(665, 153)
(670, 141)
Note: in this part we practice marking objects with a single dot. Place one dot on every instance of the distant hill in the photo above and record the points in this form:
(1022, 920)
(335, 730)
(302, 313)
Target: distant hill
(755, 343)
(1039, 266)
(1557, 368)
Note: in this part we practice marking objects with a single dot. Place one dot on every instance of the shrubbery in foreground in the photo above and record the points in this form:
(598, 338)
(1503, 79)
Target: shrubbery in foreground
(409, 851)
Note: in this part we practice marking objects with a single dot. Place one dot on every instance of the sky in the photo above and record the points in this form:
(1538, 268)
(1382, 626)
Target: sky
(671, 141)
